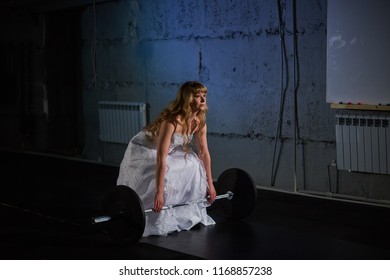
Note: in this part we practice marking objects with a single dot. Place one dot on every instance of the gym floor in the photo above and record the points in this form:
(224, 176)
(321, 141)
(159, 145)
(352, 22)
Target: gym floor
(46, 204)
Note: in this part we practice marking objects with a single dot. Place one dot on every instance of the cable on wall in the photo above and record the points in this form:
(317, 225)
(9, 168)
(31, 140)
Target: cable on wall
(284, 82)
(93, 47)
(296, 87)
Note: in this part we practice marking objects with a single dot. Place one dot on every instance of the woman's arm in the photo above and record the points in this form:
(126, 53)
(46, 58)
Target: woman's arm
(204, 155)
(163, 141)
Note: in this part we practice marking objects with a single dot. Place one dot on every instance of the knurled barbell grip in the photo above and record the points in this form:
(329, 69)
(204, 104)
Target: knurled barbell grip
(102, 219)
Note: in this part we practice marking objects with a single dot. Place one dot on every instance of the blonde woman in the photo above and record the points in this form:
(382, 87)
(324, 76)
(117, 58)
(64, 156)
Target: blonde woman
(161, 167)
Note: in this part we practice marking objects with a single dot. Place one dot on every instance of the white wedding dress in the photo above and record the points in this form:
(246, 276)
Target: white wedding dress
(185, 181)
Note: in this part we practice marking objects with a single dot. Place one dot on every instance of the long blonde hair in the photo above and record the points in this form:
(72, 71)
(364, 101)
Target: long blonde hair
(181, 106)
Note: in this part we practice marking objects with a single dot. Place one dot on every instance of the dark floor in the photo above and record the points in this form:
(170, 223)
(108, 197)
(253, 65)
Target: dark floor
(67, 193)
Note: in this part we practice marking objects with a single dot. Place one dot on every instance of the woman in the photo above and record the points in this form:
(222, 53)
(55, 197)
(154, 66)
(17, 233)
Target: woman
(161, 167)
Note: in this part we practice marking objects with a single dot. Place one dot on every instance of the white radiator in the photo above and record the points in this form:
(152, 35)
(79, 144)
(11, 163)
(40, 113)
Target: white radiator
(120, 121)
(363, 143)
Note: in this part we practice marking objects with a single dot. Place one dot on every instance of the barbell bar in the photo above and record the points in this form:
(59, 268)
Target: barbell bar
(124, 213)
(228, 195)
(103, 219)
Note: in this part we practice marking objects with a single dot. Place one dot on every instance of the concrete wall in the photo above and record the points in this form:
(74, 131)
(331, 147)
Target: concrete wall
(146, 49)
(244, 52)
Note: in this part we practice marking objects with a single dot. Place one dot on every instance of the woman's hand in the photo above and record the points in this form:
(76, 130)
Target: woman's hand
(158, 201)
(211, 193)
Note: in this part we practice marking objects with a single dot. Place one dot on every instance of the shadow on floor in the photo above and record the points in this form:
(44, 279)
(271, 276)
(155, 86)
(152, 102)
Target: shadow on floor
(61, 196)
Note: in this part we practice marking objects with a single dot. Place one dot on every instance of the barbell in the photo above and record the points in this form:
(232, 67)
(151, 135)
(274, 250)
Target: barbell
(124, 214)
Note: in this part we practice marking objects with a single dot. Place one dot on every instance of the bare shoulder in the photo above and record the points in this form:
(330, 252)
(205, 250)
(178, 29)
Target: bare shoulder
(167, 127)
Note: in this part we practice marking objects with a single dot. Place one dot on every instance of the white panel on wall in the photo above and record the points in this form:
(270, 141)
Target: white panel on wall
(358, 60)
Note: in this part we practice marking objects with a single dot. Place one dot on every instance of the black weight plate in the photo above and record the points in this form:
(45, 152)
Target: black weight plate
(244, 199)
(127, 214)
